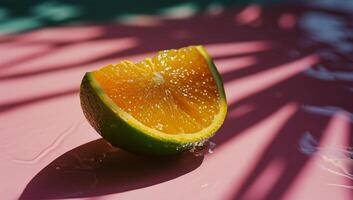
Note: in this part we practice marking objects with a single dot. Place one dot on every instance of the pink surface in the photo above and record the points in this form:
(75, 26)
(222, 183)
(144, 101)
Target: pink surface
(275, 93)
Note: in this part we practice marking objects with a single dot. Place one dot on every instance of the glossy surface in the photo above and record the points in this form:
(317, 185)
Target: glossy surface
(285, 77)
(173, 92)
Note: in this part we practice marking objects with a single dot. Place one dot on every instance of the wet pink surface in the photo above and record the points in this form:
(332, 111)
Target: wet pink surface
(280, 82)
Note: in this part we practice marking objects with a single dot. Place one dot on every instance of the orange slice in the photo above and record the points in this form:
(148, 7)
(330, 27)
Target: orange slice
(161, 105)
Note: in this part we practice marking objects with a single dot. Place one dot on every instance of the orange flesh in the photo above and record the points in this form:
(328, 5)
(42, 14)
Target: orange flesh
(173, 92)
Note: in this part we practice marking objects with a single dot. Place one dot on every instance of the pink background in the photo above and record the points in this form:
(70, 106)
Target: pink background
(48, 149)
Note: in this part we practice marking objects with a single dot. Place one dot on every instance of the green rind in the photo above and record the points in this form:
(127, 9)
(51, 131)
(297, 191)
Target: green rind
(123, 131)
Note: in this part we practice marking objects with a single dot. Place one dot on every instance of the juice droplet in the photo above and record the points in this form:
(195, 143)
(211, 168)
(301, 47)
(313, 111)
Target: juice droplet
(203, 148)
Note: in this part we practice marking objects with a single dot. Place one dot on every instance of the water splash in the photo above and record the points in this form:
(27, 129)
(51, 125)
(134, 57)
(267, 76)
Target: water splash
(324, 74)
(203, 149)
(338, 5)
(335, 160)
(328, 29)
(56, 142)
(327, 111)
(340, 185)
(330, 34)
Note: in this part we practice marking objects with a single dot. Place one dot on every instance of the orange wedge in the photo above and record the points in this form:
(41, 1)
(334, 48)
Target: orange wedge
(160, 106)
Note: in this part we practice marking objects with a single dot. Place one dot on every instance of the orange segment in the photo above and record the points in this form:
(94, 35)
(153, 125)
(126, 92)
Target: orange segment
(173, 92)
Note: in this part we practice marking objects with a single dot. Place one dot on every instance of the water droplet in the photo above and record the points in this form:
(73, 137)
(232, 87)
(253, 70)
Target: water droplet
(158, 78)
(202, 148)
(159, 126)
(211, 146)
(204, 185)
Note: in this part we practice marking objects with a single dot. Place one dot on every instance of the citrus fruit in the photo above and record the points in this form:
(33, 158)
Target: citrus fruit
(159, 106)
